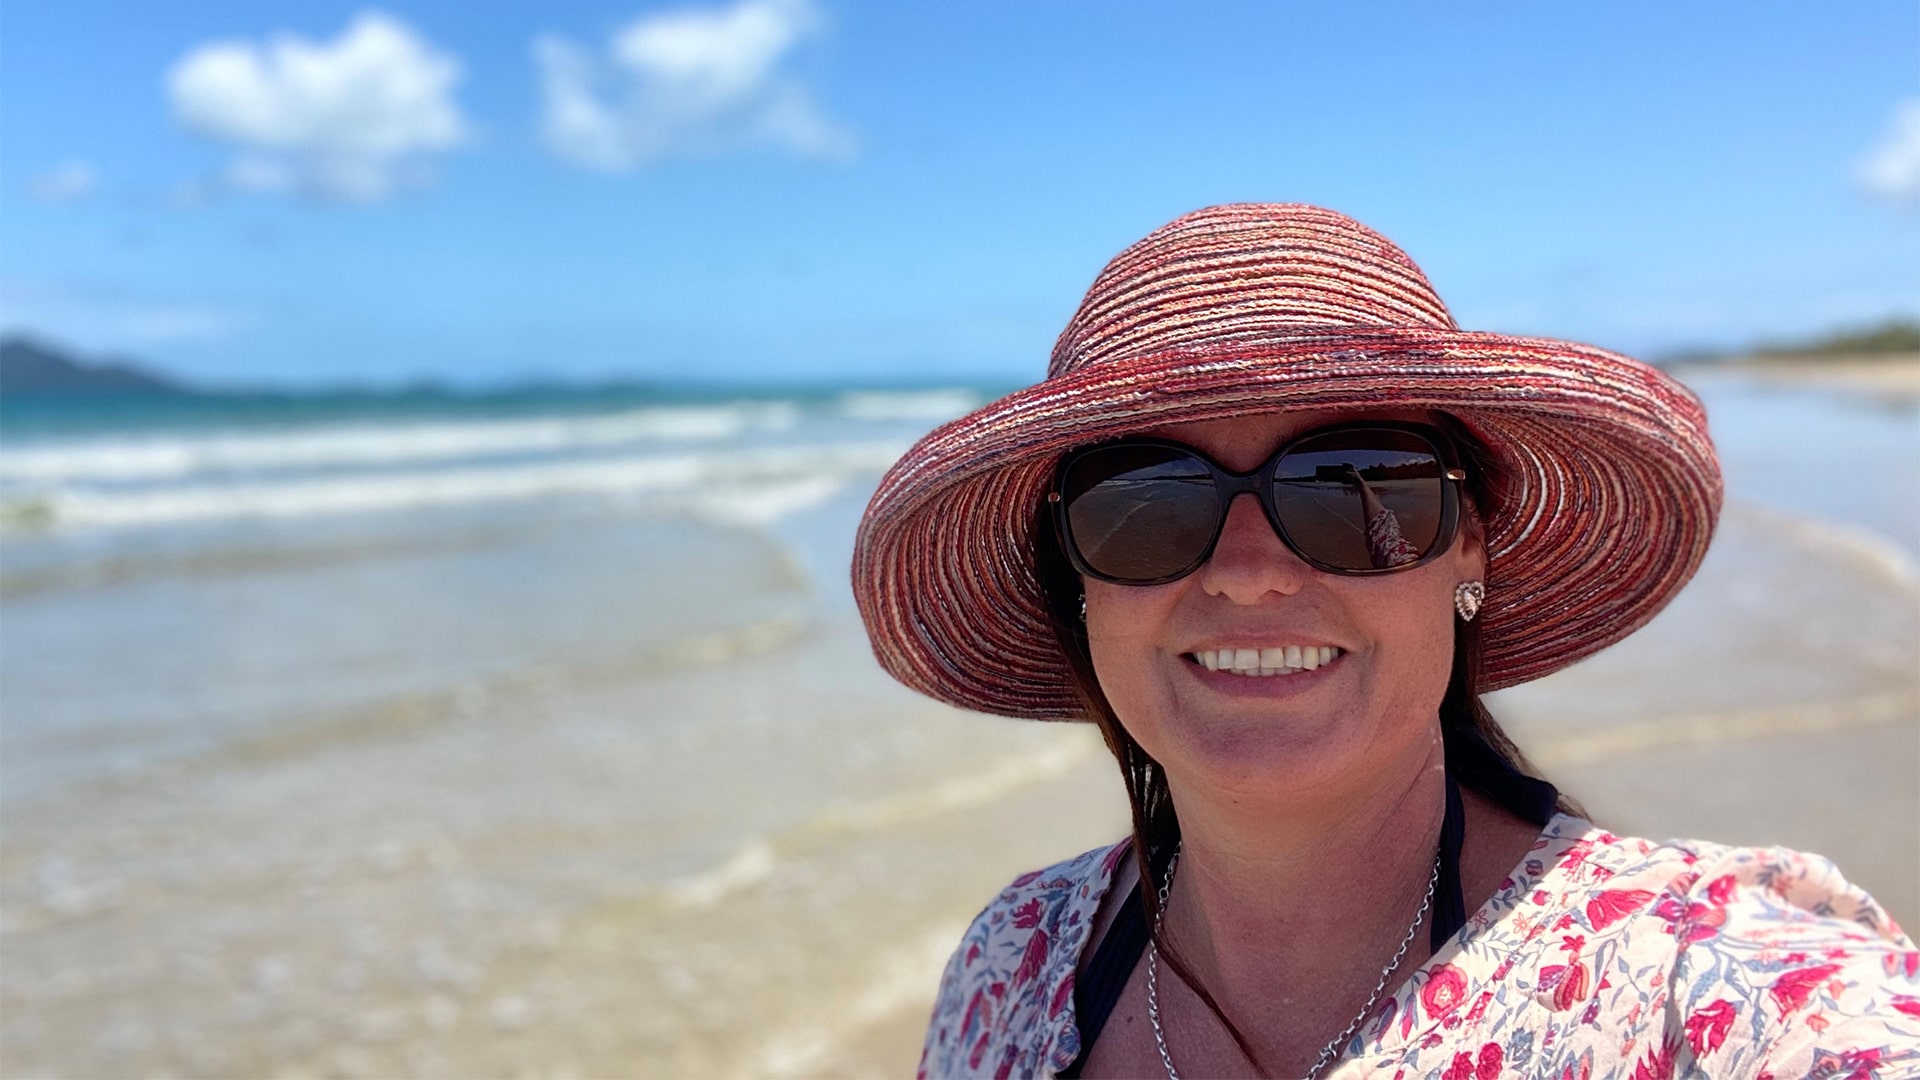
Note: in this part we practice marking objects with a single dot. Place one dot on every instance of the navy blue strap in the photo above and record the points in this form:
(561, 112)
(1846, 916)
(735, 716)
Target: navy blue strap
(1533, 800)
(1449, 902)
(1098, 991)
(1529, 798)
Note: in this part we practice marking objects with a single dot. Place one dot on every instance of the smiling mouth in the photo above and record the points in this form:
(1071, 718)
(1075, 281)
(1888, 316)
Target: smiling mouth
(1265, 663)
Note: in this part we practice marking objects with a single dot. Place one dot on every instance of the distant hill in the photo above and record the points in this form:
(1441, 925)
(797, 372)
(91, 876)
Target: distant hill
(1895, 340)
(33, 368)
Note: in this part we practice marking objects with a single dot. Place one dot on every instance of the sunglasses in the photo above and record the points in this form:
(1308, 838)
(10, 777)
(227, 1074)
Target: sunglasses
(1353, 499)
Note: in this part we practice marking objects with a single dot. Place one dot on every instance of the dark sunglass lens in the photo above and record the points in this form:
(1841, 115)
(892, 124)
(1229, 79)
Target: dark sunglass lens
(1361, 500)
(1140, 513)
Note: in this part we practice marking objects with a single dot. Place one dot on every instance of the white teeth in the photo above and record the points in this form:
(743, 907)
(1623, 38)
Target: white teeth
(1276, 660)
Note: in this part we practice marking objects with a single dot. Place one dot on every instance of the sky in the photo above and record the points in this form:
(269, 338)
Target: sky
(307, 193)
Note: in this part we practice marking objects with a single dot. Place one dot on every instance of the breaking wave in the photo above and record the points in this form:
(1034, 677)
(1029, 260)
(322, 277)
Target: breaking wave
(750, 486)
(366, 445)
(1878, 554)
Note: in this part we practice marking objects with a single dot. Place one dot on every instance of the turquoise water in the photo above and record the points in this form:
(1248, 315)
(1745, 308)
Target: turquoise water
(233, 563)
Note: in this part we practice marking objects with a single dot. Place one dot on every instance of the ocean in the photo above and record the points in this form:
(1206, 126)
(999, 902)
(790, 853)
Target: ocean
(535, 734)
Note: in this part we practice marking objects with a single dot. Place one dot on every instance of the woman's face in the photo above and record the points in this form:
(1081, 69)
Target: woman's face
(1282, 734)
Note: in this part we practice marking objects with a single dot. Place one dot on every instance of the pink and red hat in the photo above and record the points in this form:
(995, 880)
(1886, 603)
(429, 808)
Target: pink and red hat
(1613, 485)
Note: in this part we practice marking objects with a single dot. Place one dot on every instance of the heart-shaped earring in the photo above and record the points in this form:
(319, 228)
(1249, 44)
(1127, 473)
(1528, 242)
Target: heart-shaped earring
(1467, 598)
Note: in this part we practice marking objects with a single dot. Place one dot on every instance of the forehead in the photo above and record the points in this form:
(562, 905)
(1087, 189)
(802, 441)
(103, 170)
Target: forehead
(1242, 442)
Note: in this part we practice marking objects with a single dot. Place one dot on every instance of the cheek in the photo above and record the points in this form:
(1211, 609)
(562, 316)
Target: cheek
(1124, 634)
(1416, 646)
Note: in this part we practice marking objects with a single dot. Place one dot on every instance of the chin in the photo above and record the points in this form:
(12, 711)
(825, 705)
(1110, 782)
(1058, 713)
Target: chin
(1264, 756)
(1288, 748)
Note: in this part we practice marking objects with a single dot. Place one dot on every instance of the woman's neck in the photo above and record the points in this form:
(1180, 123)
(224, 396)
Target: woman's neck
(1286, 912)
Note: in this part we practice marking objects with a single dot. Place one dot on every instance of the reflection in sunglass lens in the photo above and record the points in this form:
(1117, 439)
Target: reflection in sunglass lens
(1360, 500)
(1140, 513)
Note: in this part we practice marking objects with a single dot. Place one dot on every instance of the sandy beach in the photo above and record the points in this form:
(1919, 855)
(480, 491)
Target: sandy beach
(623, 793)
(1887, 376)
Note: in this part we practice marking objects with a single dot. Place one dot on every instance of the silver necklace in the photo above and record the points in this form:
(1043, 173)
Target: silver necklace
(1332, 1049)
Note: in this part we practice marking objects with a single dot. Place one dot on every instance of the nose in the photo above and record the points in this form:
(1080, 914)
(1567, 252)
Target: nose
(1250, 561)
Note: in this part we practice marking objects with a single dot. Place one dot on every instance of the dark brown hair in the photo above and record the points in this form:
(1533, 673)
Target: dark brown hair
(1156, 828)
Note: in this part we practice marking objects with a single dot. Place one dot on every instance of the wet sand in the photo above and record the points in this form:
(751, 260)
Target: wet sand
(512, 885)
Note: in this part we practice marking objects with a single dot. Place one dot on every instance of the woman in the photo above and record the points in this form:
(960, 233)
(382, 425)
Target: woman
(1339, 863)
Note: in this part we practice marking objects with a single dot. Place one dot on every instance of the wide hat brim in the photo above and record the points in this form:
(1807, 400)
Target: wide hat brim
(1613, 492)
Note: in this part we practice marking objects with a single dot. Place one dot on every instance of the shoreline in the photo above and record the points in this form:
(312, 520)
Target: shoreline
(1889, 375)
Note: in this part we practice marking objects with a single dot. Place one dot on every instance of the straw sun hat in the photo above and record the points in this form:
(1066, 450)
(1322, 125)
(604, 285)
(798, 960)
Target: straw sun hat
(1236, 310)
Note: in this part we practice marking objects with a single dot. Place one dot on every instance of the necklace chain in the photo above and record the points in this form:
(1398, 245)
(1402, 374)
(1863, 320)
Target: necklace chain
(1332, 1049)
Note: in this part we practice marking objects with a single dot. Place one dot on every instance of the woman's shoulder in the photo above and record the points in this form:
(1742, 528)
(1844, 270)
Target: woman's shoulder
(1695, 887)
(1005, 1000)
(1766, 959)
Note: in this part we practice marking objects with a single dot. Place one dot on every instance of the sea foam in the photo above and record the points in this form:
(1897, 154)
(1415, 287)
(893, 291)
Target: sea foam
(364, 445)
(745, 485)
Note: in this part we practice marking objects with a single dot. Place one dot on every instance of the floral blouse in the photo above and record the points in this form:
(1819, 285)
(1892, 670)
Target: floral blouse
(1600, 956)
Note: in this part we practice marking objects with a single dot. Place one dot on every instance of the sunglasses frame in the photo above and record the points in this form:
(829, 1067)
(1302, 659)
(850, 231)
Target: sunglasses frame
(1229, 485)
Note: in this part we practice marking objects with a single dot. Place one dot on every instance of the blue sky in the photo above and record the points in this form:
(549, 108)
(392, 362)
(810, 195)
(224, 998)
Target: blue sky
(794, 189)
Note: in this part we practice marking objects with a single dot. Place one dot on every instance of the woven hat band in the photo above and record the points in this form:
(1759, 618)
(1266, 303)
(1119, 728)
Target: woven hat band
(1237, 273)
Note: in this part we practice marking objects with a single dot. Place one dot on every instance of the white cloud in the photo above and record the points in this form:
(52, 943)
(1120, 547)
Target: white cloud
(70, 181)
(1892, 171)
(353, 120)
(689, 83)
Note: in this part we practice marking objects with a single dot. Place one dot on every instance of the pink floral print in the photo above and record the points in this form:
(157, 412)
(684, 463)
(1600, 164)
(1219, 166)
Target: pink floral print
(1601, 956)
